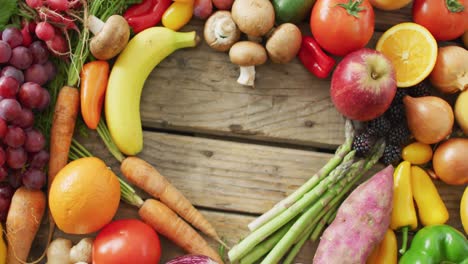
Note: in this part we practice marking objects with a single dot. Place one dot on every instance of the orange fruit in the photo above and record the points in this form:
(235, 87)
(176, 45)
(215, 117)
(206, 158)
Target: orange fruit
(412, 50)
(389, 4)
(84, 196)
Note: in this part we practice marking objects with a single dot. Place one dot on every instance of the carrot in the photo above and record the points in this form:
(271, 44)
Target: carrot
(167, 223)
(94, 77)
(146, 177)
(23, 221)
(63, 126)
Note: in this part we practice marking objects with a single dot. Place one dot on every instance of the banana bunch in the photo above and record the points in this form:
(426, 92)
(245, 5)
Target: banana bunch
(127, 78)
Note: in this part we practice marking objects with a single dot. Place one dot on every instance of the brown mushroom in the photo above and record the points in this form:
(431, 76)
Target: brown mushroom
(220, 31)
(284, 43)
(110, 38)
(247, 55)
(253, 17)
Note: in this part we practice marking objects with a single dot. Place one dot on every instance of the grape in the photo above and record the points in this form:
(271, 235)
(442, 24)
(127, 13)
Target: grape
(10, 109)
(12, 36)
(45, 100)
(39, 159)
(3, 174)
(6, 191)
(30, 95)
(9, 86)
(39, 52)
(36, 73)
(13, 72)
(35, 141)
(15, 137)
(21, 57)
(51, 70)
(16, 157)
(15, 178)
(5, 52)
(3, 128)
(2, 161)
(34, 178)
(25, 120)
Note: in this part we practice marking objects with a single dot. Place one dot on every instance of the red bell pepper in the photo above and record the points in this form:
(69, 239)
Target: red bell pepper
(142, 8)
(147, 14)
(314, 58)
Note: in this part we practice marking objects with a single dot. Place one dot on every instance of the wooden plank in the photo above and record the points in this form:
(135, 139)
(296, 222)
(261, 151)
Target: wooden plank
(386, 19)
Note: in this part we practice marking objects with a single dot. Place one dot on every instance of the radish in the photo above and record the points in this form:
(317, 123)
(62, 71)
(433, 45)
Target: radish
(44, 31)
(61, 5)
(35, 3)
(202, 9)
(223, 4)
(27, 39)
(58, 45)
(360, 223)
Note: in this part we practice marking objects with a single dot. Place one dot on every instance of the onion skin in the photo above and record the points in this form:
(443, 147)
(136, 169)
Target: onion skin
(450, 163)
(430, 118)
(192, 259)
(450, 73)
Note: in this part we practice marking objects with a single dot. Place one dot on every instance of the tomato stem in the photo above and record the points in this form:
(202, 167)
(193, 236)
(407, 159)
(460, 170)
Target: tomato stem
(354, 7)
(454, 6)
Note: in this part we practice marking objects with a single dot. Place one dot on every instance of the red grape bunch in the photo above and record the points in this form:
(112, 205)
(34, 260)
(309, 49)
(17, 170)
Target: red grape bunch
(25, 69)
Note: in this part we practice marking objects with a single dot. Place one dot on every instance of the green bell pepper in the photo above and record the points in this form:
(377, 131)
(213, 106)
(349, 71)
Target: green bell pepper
(437, 244)
(293, 11)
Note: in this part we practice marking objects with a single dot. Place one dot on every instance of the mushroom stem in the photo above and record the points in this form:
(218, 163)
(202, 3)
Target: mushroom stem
(224, 28)
(95, 24)
(247, 75)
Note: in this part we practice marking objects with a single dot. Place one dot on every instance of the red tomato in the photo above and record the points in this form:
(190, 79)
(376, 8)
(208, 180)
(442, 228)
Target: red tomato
(445, 22)
(342, 26)
(126, 241)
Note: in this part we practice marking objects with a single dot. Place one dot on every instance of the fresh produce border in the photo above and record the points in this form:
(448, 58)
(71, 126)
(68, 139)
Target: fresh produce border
(68, 67)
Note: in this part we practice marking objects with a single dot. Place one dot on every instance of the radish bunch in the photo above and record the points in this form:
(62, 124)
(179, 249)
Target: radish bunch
(53, 19)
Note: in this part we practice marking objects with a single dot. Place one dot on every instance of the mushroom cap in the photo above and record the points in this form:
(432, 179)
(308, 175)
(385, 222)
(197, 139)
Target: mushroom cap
(253, 17)
(112, 38)
(222, 19)
(284, 43)
(247, 53)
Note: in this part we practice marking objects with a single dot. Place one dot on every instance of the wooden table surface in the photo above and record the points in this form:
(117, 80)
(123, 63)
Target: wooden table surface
(236, 151)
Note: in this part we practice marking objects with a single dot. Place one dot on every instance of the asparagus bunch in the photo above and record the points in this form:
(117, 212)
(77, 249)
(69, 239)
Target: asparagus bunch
(280, 233)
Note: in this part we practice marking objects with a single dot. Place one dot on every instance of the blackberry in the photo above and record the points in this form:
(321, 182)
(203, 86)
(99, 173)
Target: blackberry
(379, 126)
(398, 135)
(419, 90)
(363, 143)
(391, 154)
(400, 93)
(396, 114)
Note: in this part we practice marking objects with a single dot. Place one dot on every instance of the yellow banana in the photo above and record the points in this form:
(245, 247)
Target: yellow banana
(128, 75)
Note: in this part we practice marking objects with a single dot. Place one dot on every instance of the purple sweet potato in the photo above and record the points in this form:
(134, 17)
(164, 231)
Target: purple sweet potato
(360, 223)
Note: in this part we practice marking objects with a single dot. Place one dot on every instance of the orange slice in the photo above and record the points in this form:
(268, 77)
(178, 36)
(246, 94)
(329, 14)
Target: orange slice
(413, 51)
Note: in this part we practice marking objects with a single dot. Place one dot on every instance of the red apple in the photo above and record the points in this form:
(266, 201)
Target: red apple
(363, 85)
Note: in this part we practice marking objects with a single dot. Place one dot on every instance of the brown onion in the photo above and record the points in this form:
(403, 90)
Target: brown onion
(450, 161)
(450, 73)
(430, 118)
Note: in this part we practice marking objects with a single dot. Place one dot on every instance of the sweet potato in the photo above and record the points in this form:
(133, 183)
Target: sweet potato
(360, 223)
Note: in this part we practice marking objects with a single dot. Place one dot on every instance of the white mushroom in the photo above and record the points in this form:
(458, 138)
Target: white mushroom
(253, 17)
(110, 38)
(82, 252)
(247, 55)
(284, 43)
(220, 31)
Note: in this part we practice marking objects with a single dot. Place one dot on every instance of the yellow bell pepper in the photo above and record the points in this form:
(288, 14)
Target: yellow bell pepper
(3, 248)
(431, 208)
(177, 15)
(386, 251)
(464, 210)
(403, 213)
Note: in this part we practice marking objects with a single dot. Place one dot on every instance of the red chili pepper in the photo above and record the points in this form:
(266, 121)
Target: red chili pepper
(140, 23)
(142, 8)
(314, 58)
